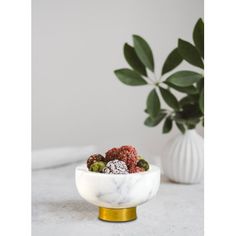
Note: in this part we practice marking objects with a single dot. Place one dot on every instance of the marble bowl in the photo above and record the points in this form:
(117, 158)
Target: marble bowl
(117, 196)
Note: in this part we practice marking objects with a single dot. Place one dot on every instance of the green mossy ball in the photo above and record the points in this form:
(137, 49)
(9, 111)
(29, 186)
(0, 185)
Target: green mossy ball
(97, 166)
(144, 164)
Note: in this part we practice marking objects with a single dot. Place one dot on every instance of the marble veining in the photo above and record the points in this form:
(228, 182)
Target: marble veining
(117, 191)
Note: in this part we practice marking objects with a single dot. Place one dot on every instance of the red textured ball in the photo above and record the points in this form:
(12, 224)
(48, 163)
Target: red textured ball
(112, 154)
(129, 155)
(130, 149)
(128, 158)
(136, 169)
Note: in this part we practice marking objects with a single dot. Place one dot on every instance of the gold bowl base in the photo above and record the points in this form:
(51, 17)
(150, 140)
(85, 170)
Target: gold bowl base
(117, 214)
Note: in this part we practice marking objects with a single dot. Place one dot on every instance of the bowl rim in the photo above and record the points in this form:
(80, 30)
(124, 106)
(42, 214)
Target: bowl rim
(83, 168)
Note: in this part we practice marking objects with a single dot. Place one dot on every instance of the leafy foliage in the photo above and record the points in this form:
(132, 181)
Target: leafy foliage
(172, 61)
(201, 101)
(184, 78)
(189, 53)
(130, 77)
(153, 104)
(186, 112)
(154, 122)
(169, 98)
(144, 52)
(198, 36)
(133, 60)
(167, 125)
(180, 127)
(189, 89)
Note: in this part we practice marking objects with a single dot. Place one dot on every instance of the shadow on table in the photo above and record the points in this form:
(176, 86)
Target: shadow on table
(165, 180)
(64, 210)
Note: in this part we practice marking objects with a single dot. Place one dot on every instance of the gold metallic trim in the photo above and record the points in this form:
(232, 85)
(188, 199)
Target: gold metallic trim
(117, 214)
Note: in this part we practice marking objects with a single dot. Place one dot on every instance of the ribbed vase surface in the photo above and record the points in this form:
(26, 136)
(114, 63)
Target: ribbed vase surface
(183, 158)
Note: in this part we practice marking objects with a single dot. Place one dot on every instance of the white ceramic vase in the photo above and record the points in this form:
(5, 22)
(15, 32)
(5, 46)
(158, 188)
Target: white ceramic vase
(183, 158)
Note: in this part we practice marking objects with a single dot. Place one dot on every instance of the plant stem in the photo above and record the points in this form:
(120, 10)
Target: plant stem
(149, 81)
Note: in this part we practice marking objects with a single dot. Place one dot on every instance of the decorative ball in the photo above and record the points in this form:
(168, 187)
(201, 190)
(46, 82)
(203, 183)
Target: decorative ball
(116, 167)
(127, 154)
(97, 166)
(135, 169)
(94, 158)
(129, 149)
(112, 154)
(144, 164)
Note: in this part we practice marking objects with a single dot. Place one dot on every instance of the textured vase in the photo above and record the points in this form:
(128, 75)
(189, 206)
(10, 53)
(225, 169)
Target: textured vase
(183, 158)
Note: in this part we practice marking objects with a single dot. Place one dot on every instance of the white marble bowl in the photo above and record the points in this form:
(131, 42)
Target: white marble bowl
(117, 191)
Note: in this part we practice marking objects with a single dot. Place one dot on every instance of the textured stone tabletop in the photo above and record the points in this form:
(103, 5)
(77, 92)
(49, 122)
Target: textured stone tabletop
(58, 210)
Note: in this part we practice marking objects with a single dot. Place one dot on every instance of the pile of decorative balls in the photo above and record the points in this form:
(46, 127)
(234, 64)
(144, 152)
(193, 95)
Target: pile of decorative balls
(123, 160)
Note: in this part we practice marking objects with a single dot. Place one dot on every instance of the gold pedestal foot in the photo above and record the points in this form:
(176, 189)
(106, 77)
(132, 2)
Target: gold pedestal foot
(117, 214)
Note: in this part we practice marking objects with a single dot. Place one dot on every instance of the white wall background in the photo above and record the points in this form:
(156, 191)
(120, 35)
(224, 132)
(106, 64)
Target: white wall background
(76, 99)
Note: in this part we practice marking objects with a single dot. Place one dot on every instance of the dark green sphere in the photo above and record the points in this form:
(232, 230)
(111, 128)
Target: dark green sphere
(144, 164)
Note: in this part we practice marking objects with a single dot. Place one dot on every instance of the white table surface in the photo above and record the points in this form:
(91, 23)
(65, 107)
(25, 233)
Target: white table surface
(57, 209)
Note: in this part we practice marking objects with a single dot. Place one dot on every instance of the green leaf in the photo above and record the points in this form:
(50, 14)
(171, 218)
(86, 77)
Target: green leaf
(200, 85)
(201, 101)
(191, 126)
(190, 111)
(169, 98)
(154, 122)
(153, 103)
(184, 78)
(161, 110)
(190, 115)
(143, 51)
(198, 36)
(187, 100)
(172, 61)
(133, 60)
(167, 125)
(180, 127)
(189, 122)
(188, 89)
(129, 77)
(189, 53)
(192, 122)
